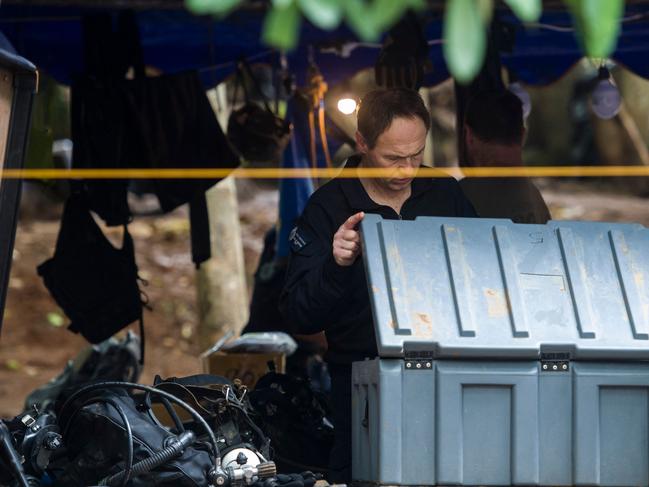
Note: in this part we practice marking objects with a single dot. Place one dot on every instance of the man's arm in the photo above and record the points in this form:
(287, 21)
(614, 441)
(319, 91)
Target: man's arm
(315, 286)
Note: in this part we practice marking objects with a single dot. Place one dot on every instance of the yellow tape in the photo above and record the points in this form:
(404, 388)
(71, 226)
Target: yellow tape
(324, 173)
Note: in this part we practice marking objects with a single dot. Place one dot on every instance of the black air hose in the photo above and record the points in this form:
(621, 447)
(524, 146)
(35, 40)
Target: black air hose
(12, 456)
(175, 449)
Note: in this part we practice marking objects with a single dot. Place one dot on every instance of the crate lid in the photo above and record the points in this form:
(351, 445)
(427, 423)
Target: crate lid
(488, 288)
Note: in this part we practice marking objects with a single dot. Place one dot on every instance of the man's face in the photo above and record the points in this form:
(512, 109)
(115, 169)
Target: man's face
(401, 148)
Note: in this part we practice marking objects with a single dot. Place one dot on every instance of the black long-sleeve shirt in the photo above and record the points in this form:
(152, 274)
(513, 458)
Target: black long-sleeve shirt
(321, 295)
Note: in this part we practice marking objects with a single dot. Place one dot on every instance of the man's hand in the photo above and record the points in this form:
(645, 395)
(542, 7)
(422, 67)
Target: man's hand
(347, 241)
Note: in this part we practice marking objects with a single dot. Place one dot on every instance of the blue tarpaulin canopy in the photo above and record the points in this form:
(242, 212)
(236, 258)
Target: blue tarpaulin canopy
(175, 40)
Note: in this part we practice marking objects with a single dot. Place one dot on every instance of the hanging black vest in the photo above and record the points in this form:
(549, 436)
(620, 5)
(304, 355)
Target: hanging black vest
(94, 283)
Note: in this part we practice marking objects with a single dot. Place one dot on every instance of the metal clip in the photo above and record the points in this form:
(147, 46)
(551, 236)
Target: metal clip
(226, 393)
(29, 422)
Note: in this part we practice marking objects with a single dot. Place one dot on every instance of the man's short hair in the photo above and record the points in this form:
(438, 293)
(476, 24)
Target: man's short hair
(495, 116)
(380, 107)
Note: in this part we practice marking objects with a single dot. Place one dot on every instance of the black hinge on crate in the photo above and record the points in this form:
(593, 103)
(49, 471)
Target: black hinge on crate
(417, 359)
(555, 361)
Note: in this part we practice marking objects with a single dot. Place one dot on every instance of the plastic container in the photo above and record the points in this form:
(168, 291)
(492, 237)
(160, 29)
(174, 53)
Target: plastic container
(509, 354)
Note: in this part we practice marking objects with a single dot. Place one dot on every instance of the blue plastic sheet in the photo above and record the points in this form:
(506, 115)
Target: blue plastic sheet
(175, 40)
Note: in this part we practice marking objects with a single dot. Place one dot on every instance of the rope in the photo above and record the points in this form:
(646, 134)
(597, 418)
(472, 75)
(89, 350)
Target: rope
(301, 173)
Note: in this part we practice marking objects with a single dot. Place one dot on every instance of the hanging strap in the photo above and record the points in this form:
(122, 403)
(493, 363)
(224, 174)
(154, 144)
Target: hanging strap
(316, 91)
(312, 141)
(323, 137)
(277, 85)
(131, 48)
(129, 247)
(142, 347)
(323, 133)
(199, 223)
(239, 81)
(130, 42)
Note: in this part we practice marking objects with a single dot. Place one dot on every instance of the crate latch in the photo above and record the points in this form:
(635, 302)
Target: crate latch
(555, 361)
(418, 360)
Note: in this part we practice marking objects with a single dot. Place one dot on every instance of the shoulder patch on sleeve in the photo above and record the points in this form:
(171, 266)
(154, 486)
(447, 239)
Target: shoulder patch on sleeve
(299, 238)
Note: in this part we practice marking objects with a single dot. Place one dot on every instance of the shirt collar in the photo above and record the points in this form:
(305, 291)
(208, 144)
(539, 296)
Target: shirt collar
(358, 198)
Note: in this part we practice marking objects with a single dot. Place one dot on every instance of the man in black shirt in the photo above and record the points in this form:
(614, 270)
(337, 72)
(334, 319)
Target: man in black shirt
(325, 286)
(493, 125)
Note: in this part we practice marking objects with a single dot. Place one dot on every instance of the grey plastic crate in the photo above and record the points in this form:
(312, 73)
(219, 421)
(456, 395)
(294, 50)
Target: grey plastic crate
(509, 354)
(500, 423)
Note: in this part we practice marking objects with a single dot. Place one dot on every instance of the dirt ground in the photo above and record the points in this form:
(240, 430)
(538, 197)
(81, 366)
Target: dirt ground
(33, 349)
(35, 345)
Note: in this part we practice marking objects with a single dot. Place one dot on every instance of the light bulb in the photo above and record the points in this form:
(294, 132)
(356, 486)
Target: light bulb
(606, 99)
(347, 105)
(517, 89)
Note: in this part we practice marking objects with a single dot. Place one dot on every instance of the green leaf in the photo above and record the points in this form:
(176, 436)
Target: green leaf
(598, 24)
(217, 7)
(370, 19)
(55, 320)
(464, 39)
(601, 22)
(281, 26)
(12, 364)
(526, 10)
(486, 8)
(360, 19)
(325, 14)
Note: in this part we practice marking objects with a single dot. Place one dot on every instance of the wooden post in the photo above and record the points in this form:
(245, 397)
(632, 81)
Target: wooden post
(221, 281)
